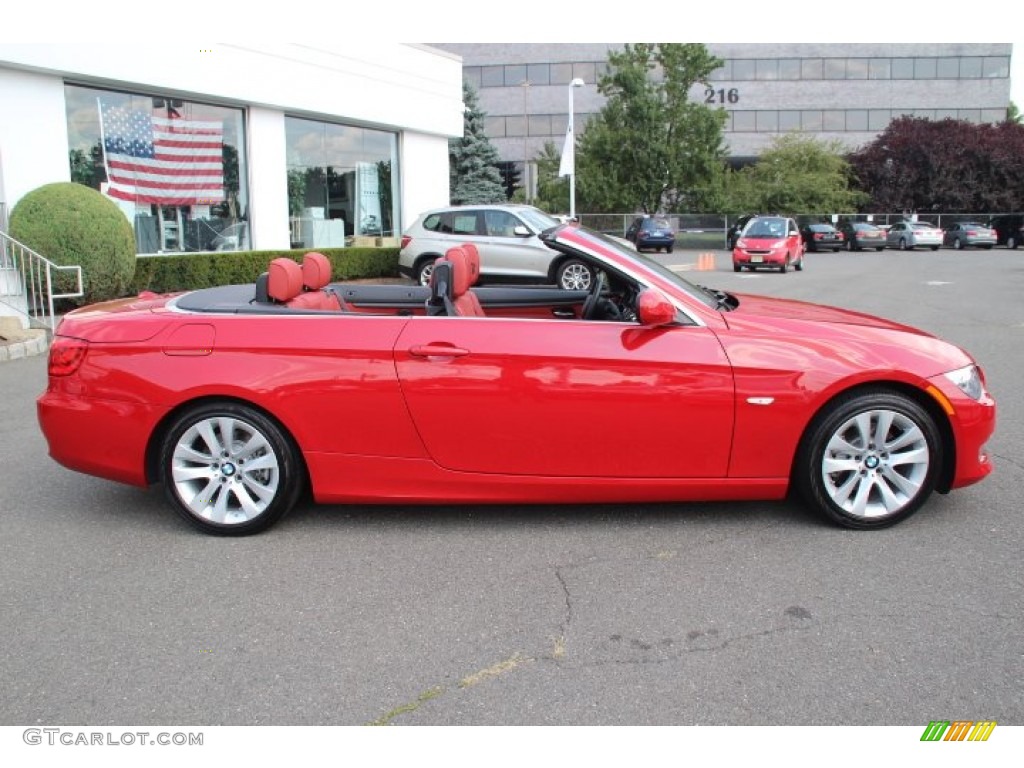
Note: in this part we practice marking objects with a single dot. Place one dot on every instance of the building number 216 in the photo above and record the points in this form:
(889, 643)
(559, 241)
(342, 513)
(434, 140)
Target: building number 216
(721, 96)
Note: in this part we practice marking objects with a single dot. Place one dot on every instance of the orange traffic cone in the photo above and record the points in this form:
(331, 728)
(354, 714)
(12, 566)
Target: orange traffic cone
(706, 262)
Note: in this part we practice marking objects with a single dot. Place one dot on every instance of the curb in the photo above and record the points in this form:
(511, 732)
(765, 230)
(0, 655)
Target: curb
(35, 345)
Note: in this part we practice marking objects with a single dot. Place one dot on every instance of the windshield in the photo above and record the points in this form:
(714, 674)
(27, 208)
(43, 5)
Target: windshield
(537, 219)
(765, 228)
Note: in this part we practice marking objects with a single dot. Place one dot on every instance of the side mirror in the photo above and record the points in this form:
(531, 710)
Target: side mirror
(521, 231)
(654, 308)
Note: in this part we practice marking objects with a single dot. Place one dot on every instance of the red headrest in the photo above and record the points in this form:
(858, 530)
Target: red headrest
(316, 270)
(461, 273)
(284, 279)
(473, 260)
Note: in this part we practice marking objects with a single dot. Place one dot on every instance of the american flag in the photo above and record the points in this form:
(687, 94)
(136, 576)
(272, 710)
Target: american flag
(164, 160)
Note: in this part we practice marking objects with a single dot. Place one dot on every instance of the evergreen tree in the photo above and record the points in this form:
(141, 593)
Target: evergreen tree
(473, 160)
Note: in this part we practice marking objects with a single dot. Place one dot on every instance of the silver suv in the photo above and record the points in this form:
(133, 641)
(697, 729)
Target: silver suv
(505, 235)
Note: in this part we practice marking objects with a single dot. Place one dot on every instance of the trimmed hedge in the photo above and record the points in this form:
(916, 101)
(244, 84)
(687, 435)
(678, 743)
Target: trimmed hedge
(189, 271)
(69, 223)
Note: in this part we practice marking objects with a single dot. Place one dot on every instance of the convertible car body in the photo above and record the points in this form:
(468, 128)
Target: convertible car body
(644, 388)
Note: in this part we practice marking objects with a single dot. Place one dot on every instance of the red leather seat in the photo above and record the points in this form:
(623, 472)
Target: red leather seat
(284, 280)
(473, 260)
(316, 274)
(464, 273)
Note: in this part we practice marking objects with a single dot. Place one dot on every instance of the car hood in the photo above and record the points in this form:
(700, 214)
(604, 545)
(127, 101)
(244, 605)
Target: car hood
(766, 307)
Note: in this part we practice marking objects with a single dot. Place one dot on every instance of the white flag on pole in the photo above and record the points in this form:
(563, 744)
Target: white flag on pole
(568, 165)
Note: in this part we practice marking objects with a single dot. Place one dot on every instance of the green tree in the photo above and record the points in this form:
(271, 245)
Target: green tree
(1013, 114)
(651, 148)
(797, 174)
(552, 189)
(473, 160)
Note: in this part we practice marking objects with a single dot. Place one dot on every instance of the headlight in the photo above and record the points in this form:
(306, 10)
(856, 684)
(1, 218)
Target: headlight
(968, 380)
(779, 244)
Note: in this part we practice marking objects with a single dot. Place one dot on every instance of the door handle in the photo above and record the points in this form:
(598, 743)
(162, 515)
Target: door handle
(563, 313)
(437, 350)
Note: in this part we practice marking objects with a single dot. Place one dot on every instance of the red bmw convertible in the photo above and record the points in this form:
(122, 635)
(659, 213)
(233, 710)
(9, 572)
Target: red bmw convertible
(643, 388)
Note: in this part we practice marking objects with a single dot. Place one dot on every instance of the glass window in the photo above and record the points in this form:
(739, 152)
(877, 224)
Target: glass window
(926, 114)
(811, 119)
(993, 115)
(585, 72)
(494, 126)
(925, 68)
(538, 74)
(561, 74)
(789, 69)
(744, 69)
(789, 120)
(492, 76)
(970, 67)
(970, 115)
(878, 119)
(464, 223)
(500, 224)
(540, 125)
(515, 74)
(342, 180)
(996, 66)
(856, 69)
(767, 69)
(949, 68)
(472, 76)
(811, 69)
(902, 69)
(515, 125)
(205, 211)
(835, 69)
(879, 69)
(946, 114)
(857, 120)
(767, 121)
(834, 120)
(743, 121)
(724, 72)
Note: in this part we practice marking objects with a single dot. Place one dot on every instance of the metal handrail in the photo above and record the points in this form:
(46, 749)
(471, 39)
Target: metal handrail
(35, 276)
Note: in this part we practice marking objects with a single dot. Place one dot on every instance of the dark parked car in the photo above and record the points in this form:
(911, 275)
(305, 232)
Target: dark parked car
(651, 232)
(861, 235)
(1009, 229)
(965, 234)
(821, 237)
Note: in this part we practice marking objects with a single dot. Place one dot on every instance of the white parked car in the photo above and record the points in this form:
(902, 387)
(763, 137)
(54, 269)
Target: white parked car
(507, 237)
(907, 235)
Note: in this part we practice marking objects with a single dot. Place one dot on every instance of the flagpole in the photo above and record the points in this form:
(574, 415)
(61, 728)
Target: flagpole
(576, 83)
(103, 141)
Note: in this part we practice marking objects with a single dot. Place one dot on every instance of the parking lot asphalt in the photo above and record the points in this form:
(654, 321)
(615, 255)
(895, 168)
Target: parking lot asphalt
(115, 612)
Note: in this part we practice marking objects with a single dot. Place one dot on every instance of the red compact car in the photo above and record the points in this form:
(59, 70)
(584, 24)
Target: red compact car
(769, 242)
(238, 398)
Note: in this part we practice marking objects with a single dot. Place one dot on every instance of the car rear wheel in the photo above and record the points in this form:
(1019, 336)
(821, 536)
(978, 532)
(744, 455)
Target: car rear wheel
(880, 248)
(424, 270)
(870, 460)
(229, 470)
(575, 275)
(934, 247)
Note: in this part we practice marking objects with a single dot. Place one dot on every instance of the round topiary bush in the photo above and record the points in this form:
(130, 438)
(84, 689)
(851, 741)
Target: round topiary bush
(69, 223)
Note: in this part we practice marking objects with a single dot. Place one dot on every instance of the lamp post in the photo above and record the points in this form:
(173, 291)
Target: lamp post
(576, 83)
(526, 133)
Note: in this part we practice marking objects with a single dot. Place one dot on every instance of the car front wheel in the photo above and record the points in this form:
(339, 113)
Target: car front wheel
(870, 460)
(229, 470)
(575, 275)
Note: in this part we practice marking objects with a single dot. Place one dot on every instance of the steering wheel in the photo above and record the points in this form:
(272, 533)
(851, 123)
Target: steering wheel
(594, 297)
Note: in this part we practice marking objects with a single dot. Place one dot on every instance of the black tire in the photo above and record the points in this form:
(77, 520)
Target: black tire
(737, 268)
(934, 247)
(880, 249)
(423, 269)
(575, 275)
(846, 486)
(784, 267)
(671, 249)
(247, 500)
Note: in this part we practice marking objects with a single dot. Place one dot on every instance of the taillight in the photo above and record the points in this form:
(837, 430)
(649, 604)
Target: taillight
(66, 355)
(406, 239)
(818, 236)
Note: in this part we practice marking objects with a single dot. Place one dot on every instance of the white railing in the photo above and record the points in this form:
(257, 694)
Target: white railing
(27, 282)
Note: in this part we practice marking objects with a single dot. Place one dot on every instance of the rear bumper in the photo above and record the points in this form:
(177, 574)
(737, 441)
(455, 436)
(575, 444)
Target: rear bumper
(98, 437)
